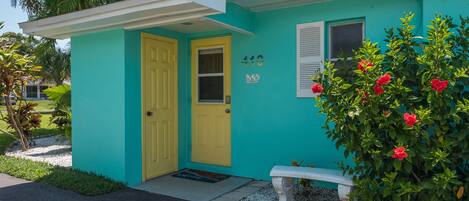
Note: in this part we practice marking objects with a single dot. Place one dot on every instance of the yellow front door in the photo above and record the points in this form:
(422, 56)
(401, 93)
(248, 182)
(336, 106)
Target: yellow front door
(211, 101)
(159, 105)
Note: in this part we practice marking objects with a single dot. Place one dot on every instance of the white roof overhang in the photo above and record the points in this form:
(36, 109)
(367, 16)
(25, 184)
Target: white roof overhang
(264, 5)
(128, 14)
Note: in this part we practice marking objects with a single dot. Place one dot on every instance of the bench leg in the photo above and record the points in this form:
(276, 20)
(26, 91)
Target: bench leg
(343, 192)
(284, 187)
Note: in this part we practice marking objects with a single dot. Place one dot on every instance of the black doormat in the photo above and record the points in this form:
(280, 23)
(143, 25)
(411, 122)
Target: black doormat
(199, 175)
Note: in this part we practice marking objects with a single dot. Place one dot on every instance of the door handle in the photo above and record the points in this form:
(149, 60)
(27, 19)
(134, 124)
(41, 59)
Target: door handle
(149, 113)
(227, 110)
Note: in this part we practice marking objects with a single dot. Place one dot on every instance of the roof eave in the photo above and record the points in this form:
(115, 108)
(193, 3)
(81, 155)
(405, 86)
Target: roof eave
(129, 14)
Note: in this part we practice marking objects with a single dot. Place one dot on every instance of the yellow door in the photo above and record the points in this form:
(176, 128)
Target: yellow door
(159, 105)
(211, 101)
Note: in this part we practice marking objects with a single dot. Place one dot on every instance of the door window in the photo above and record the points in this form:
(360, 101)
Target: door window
(210, 75)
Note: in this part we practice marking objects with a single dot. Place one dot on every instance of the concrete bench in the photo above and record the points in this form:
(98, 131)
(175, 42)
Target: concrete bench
(282, 177)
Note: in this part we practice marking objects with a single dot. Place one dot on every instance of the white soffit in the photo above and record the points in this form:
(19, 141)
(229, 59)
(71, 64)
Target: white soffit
(194, 26)
(128, 14)
(263, 5)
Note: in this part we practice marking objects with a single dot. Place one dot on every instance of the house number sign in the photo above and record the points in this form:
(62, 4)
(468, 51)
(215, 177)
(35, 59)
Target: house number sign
(253, 78)
(253, 61)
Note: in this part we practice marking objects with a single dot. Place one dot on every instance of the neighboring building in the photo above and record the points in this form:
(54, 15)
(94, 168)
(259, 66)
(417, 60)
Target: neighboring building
(161, 85)
(34, 90)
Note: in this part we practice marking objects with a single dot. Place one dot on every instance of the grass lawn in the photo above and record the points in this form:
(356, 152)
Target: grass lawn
(45, 130)
(5, 141)
(64, 178)
(42, 105)
(68, 179)
(46, 127)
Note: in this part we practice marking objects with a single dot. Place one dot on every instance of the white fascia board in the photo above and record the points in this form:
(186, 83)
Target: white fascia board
(219, 5)
(266, 5)
(129, 14)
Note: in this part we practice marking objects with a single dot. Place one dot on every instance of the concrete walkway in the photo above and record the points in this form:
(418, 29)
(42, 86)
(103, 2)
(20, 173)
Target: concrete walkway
(13, 189)
(192, 190)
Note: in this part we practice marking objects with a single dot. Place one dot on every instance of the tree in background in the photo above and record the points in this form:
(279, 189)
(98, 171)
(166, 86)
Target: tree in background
(28, 43)
(55, 62)
(16, 69)
(48, 8)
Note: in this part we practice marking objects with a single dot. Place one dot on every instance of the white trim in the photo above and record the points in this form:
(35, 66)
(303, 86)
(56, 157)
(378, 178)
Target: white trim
(279, 5)
(211, 75)
(230, 27)
(169, 19)
(307, 93)
(129, 14)
(341, 23)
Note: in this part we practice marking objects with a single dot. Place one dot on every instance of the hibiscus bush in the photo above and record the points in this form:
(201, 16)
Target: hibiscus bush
(403, 116)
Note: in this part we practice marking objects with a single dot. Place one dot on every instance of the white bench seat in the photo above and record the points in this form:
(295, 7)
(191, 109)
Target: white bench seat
(282, 180)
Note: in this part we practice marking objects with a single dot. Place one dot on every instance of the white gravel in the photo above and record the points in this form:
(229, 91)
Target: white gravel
(55, 150)
(315, 193)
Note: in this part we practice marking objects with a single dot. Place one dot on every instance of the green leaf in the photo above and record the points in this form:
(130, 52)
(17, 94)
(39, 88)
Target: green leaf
(397, 165)
(61, 94)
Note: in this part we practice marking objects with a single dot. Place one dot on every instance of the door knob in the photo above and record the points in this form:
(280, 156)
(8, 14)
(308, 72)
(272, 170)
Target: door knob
(149, 113)
(227, 110)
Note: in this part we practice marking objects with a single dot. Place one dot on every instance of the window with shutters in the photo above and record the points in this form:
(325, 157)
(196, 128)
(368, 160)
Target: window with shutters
(310, 55)
(344, 38)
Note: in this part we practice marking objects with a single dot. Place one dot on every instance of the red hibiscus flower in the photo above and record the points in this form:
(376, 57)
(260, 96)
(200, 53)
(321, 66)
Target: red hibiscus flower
(384, 79)
(378, 90)
(364, 65)
(399, 153)
(439, 85)
(317, 88)
(410, 119)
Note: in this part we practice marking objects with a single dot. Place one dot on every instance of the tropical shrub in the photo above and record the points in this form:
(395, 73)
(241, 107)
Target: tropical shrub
(403, 116)
(16, 69)
(62, 116)
(55, 61)
(27, 117)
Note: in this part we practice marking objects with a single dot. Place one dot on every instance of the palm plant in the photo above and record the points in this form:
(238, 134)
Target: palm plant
(47, 8)
(55, 61)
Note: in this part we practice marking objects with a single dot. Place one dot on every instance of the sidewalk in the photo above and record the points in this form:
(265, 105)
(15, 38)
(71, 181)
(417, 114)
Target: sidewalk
(13, 189)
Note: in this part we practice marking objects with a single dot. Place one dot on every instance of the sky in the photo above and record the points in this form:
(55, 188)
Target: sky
(12, 16)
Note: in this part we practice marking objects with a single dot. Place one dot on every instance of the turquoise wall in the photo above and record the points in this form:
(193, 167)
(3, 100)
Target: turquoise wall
(270, 125)
(453, 8)
(98, 97)
(237, 17)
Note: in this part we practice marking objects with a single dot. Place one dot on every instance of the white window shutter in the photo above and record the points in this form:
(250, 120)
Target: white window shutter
(310, 55)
